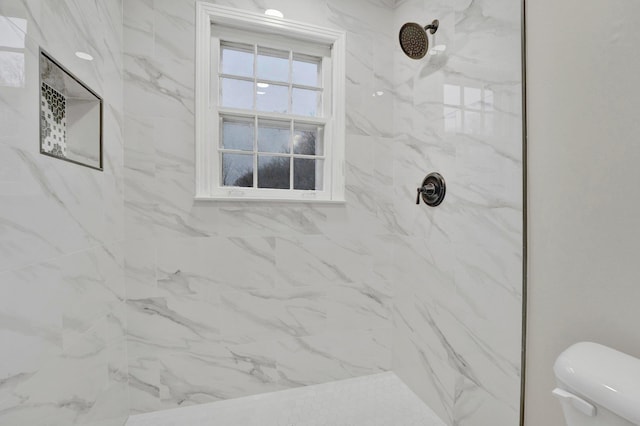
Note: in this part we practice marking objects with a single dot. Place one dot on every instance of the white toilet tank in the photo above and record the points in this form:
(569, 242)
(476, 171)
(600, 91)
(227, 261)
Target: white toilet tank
(598, 386)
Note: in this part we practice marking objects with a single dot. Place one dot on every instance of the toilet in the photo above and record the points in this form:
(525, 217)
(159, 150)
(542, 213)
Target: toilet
(598, 386)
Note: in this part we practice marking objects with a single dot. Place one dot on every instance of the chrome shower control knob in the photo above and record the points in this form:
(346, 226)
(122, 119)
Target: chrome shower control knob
(433, 190)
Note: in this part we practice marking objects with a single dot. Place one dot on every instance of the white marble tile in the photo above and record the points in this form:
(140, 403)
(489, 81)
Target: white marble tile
(333, 356)
(308, 285)
(448, 326)
(316, 260)
(62, 232)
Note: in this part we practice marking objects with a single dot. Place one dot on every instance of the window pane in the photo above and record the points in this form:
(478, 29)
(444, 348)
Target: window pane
(237, 170)
(237, 60)
(274, 98)
(237, 93)
(273, 65)
(306, 72)
(307, 174)
(237, 134)
(307, 140)
(274, 136)
(306, 102)
(273, 172)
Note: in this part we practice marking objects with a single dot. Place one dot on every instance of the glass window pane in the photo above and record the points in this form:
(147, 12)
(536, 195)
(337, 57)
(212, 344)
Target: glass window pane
(306, 102)
(307, 140)
(273, 65)
(273, 172)
(274, 98)
(237, 60)
(237, 170)
(274, 136)
(237, 134)
(307, 174)
(306, 72)
(237, 93)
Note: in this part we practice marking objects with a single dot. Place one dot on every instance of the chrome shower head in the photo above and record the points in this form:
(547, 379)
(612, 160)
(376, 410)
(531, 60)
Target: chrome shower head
(414, 40)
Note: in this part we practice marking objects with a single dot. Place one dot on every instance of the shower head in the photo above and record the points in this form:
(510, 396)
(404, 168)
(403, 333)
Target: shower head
(414, 40)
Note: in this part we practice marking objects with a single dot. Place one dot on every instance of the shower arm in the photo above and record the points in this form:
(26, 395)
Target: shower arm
(433, 26)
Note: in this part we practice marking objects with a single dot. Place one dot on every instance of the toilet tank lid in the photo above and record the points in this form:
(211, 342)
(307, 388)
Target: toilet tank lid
(603, 375)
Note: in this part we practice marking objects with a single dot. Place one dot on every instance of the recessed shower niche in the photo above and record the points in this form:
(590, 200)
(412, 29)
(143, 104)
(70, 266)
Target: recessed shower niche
(70, 116)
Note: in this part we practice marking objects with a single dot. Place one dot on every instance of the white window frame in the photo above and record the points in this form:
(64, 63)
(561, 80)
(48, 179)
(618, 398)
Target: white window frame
(208, 185)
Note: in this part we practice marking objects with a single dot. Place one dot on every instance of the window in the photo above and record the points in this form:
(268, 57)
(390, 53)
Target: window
(270, 108)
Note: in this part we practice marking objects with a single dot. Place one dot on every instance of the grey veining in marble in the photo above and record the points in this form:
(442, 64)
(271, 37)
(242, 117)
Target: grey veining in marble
(209, 301)
(458, 302)
(62, 314)
(231, 299)
(255, 297)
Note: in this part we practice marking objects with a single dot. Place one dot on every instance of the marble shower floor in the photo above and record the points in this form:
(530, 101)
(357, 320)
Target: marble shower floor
(376, 400)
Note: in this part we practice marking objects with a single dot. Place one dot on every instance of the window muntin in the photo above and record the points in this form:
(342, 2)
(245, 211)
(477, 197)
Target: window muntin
(315, 108)
(256, 148)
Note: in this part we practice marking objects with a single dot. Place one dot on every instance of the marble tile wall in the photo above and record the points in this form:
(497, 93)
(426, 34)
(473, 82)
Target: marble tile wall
(228, 299)
(458, 268)
(63, 349)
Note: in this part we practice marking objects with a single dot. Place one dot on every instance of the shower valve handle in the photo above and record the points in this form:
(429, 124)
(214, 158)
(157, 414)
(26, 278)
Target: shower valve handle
(429, 190)
(432, 190)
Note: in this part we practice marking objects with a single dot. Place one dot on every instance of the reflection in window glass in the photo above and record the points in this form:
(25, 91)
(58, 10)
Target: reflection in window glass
(237, 170)
(237, 60)
(274, 98)
(274, 172)
(307, 174)
(274, 136)
(237, 134)
(273, 65)
(237, 93)
(307, 140)
(305, 102)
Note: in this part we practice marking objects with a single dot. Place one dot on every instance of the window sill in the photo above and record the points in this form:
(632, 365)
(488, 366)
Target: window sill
(269, 200)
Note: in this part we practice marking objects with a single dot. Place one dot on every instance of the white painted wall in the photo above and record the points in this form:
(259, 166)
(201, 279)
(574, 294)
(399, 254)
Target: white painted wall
(584, 106)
